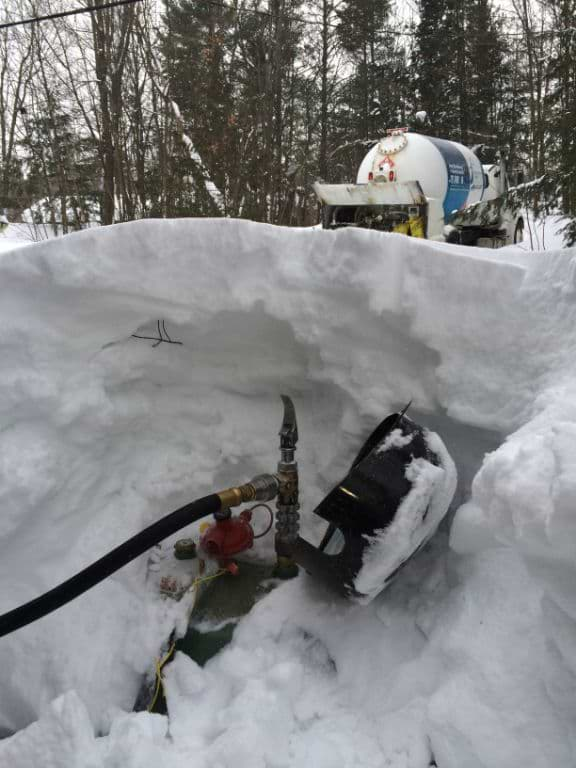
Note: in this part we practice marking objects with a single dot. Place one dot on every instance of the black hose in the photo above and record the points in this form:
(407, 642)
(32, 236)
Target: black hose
(110, 563)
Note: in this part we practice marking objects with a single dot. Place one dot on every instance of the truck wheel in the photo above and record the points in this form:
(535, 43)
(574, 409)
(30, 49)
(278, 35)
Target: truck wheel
(453, 236)
(519, 231)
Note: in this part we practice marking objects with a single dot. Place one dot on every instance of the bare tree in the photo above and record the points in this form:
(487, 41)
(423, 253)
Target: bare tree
(16, 72)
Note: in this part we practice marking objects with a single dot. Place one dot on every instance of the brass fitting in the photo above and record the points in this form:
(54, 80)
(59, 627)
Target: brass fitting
(232, 497)
(260, 488)
(285, 568)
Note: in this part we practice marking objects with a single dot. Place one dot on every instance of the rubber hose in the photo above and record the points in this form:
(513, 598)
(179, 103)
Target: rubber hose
(107, 565)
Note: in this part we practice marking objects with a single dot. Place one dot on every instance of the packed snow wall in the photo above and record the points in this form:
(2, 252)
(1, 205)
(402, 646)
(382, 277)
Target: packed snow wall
(469, 658)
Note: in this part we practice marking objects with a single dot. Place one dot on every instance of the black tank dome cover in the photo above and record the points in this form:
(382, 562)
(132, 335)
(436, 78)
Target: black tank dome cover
(389, 504)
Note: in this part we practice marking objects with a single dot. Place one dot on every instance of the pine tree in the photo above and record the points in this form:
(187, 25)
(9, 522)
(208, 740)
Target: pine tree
(462, 69)
(195, 45)
(377, 93)
(361, 33)
(234, 78)
(62, 170)
(562, 104)
(488, 85)
(434, 65)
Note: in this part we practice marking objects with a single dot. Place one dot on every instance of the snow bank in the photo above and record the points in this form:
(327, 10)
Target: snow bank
(469, 657)
(10, 240)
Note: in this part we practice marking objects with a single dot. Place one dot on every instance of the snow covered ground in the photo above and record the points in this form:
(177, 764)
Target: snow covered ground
(16, 235)
(543, 233)
(469, 659)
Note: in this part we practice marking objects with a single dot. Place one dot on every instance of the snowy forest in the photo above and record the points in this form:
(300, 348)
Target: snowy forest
(213, 108)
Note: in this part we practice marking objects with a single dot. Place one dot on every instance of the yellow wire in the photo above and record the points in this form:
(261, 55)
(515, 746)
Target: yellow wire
(159, 682)
(197, 580)
(162, 661)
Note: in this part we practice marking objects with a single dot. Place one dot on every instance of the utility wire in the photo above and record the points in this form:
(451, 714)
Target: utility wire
(75, 12)
(268, 14)
(387, 31)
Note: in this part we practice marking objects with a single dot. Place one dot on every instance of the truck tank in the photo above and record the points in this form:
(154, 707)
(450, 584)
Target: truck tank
(449, 173)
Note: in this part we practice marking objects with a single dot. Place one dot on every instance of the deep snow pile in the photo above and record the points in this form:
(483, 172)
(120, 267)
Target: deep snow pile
(17, 235)
(470, 657)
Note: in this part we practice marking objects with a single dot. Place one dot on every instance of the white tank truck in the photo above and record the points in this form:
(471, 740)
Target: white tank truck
(425, 187)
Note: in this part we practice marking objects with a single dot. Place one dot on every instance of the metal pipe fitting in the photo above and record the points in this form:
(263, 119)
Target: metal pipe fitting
(265, 487)
(260, 488)
(287, 505)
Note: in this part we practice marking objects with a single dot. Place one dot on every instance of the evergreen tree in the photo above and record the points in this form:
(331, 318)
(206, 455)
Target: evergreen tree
(561, 104)
(462, 70)
(494, 106)
(234, 77)
(195, 46)
(373, 93)
(434, 65)
(62, 170)
(377, 93)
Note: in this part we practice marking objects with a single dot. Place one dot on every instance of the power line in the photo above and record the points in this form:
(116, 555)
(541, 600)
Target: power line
(75, 12)
(269, 14)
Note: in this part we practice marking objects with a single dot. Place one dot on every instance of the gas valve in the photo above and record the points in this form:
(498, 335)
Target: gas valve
(228, 536)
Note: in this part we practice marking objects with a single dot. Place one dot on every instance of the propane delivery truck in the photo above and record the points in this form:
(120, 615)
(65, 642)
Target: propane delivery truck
(425, 187)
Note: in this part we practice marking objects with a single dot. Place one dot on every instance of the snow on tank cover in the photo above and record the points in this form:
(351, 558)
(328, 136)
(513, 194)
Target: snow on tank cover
(447, 171)
(390, 503)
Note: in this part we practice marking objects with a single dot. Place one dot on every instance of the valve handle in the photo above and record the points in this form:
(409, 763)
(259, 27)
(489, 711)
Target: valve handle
(287, 504)
(288, 431)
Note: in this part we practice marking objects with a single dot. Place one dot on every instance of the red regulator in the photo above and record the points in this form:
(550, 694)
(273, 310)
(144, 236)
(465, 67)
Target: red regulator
(228, 536)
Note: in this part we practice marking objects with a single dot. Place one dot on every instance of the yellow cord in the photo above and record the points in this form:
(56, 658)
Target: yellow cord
(198, 580)
(159, 681)
(162, 661)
